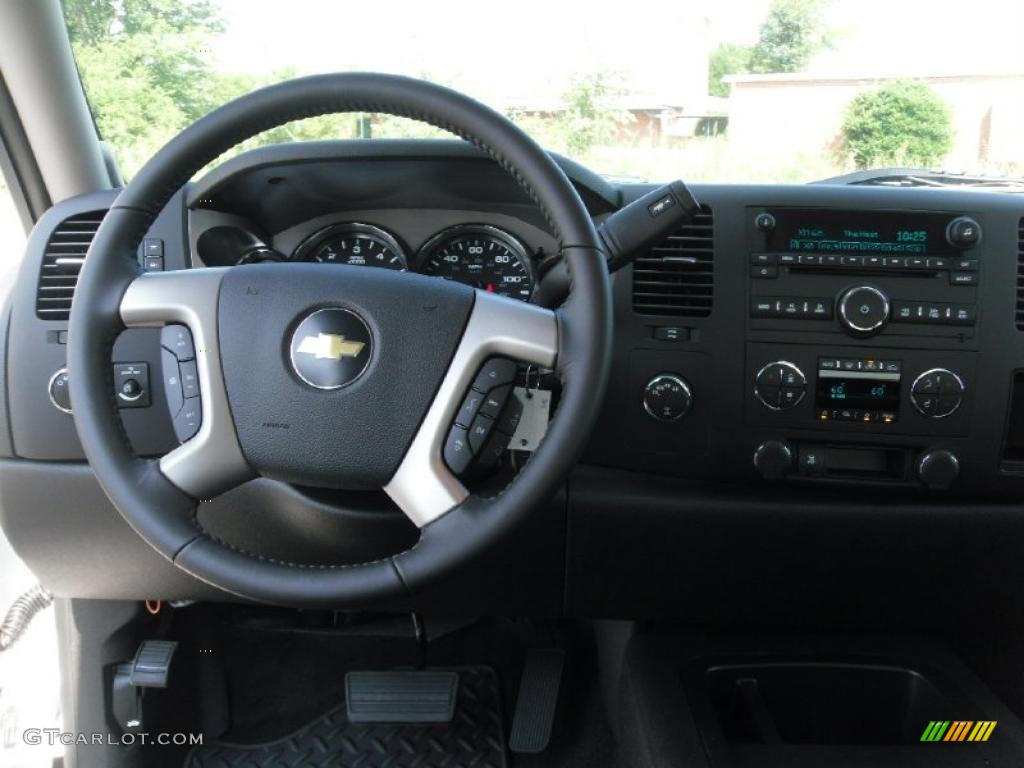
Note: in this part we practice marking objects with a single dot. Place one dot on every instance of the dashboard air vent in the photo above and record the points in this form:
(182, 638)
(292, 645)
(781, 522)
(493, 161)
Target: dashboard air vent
(1020, 275)
(675, 277)
(62, 260)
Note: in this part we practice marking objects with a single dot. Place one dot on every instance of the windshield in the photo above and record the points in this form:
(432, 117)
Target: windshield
(733, 91)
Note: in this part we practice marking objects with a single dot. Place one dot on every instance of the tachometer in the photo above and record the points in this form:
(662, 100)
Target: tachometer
(355, 244)
(482, 256)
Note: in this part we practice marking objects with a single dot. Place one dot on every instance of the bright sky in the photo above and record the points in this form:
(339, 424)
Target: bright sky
(466, 44)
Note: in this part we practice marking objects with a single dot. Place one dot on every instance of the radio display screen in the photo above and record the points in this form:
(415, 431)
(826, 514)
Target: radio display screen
(859, 232)
(858, 393)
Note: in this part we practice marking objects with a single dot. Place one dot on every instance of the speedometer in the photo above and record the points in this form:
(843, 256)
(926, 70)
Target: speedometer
(362, 245)
(481, 256)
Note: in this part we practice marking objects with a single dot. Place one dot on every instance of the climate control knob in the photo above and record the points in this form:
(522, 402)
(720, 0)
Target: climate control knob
(780, 385)
(937, 393)
(667, 397)
(863, 310)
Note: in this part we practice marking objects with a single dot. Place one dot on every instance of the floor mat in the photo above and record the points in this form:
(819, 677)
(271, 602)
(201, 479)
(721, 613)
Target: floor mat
(476, 737)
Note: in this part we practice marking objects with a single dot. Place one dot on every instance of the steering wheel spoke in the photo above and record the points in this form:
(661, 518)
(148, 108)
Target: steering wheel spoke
(423, 487)
(211, 461)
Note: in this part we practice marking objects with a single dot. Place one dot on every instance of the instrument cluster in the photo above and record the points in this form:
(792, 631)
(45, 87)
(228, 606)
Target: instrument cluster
(482, 256)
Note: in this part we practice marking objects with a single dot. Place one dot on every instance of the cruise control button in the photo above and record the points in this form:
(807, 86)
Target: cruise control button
(178, 339)
(469, 408)
(495, 401)
(494, 373)
(457, 453)
(511, 416)
(172, 382)
(189, 379)
(479, 432)
(493, 448)
(187, 422)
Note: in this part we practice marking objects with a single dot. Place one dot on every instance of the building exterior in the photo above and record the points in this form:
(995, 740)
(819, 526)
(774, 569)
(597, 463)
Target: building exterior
(789, 114)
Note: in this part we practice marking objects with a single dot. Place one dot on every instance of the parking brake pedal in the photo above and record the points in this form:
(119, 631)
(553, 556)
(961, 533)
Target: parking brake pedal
(149, 669)
(401, 696)
(535, 705)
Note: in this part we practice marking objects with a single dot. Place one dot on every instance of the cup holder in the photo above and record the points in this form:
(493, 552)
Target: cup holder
(823, 703)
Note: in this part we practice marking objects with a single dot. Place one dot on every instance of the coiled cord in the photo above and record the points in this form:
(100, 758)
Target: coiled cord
(21, 613)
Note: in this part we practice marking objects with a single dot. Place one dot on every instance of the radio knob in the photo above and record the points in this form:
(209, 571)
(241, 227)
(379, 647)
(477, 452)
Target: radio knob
(772, 459)
(937, 469)
(863, 310)
(667, 397)
(963, 232)
(937, 393)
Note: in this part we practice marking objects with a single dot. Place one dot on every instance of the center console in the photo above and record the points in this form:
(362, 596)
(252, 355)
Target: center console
(879, 311)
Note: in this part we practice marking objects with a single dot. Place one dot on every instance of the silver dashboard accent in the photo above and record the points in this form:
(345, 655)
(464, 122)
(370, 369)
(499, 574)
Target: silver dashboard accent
(929, 372)
(49, 391)
(851, 323)
(212, 461)
(683, 385)
(423, 487)
(777, 407)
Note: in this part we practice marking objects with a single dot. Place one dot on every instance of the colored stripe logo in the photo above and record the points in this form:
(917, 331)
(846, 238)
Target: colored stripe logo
(958, 730)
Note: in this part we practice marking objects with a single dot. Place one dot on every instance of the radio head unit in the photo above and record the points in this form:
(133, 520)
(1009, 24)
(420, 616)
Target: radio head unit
(865, 232)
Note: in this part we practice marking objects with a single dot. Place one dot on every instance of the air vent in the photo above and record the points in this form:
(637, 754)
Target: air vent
(62, 261)
(1020, 275)
(675, 277)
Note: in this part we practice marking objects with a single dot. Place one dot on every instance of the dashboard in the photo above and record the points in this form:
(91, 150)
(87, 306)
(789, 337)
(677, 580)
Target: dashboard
(863, 342)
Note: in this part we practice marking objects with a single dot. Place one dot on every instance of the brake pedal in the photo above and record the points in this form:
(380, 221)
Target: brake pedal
(538, 695)
(401, 696)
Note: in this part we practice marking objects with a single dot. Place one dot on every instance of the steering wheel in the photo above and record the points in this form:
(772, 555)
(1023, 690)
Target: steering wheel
(370, 412)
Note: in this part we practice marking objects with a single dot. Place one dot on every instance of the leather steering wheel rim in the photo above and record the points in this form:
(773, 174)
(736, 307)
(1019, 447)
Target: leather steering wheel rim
(164, 514)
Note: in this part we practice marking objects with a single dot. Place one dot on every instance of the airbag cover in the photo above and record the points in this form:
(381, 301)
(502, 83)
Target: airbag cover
(354, 431)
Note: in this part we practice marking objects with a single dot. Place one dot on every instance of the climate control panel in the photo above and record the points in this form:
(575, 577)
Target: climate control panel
(842, 389)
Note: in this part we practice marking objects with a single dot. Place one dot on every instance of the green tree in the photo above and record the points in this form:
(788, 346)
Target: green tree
(903, 123)
(584, 119)
(726, 59)
(146, 68)
(789, 36)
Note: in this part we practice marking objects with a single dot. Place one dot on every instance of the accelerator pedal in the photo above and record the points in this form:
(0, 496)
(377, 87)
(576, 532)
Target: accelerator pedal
(535, 705)
(411, 696)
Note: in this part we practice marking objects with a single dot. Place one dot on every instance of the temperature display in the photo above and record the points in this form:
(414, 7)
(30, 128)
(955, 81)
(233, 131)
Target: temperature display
(860, 393)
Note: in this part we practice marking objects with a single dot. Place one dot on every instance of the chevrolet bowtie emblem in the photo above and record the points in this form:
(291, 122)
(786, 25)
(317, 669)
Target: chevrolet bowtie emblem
(329, 346)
